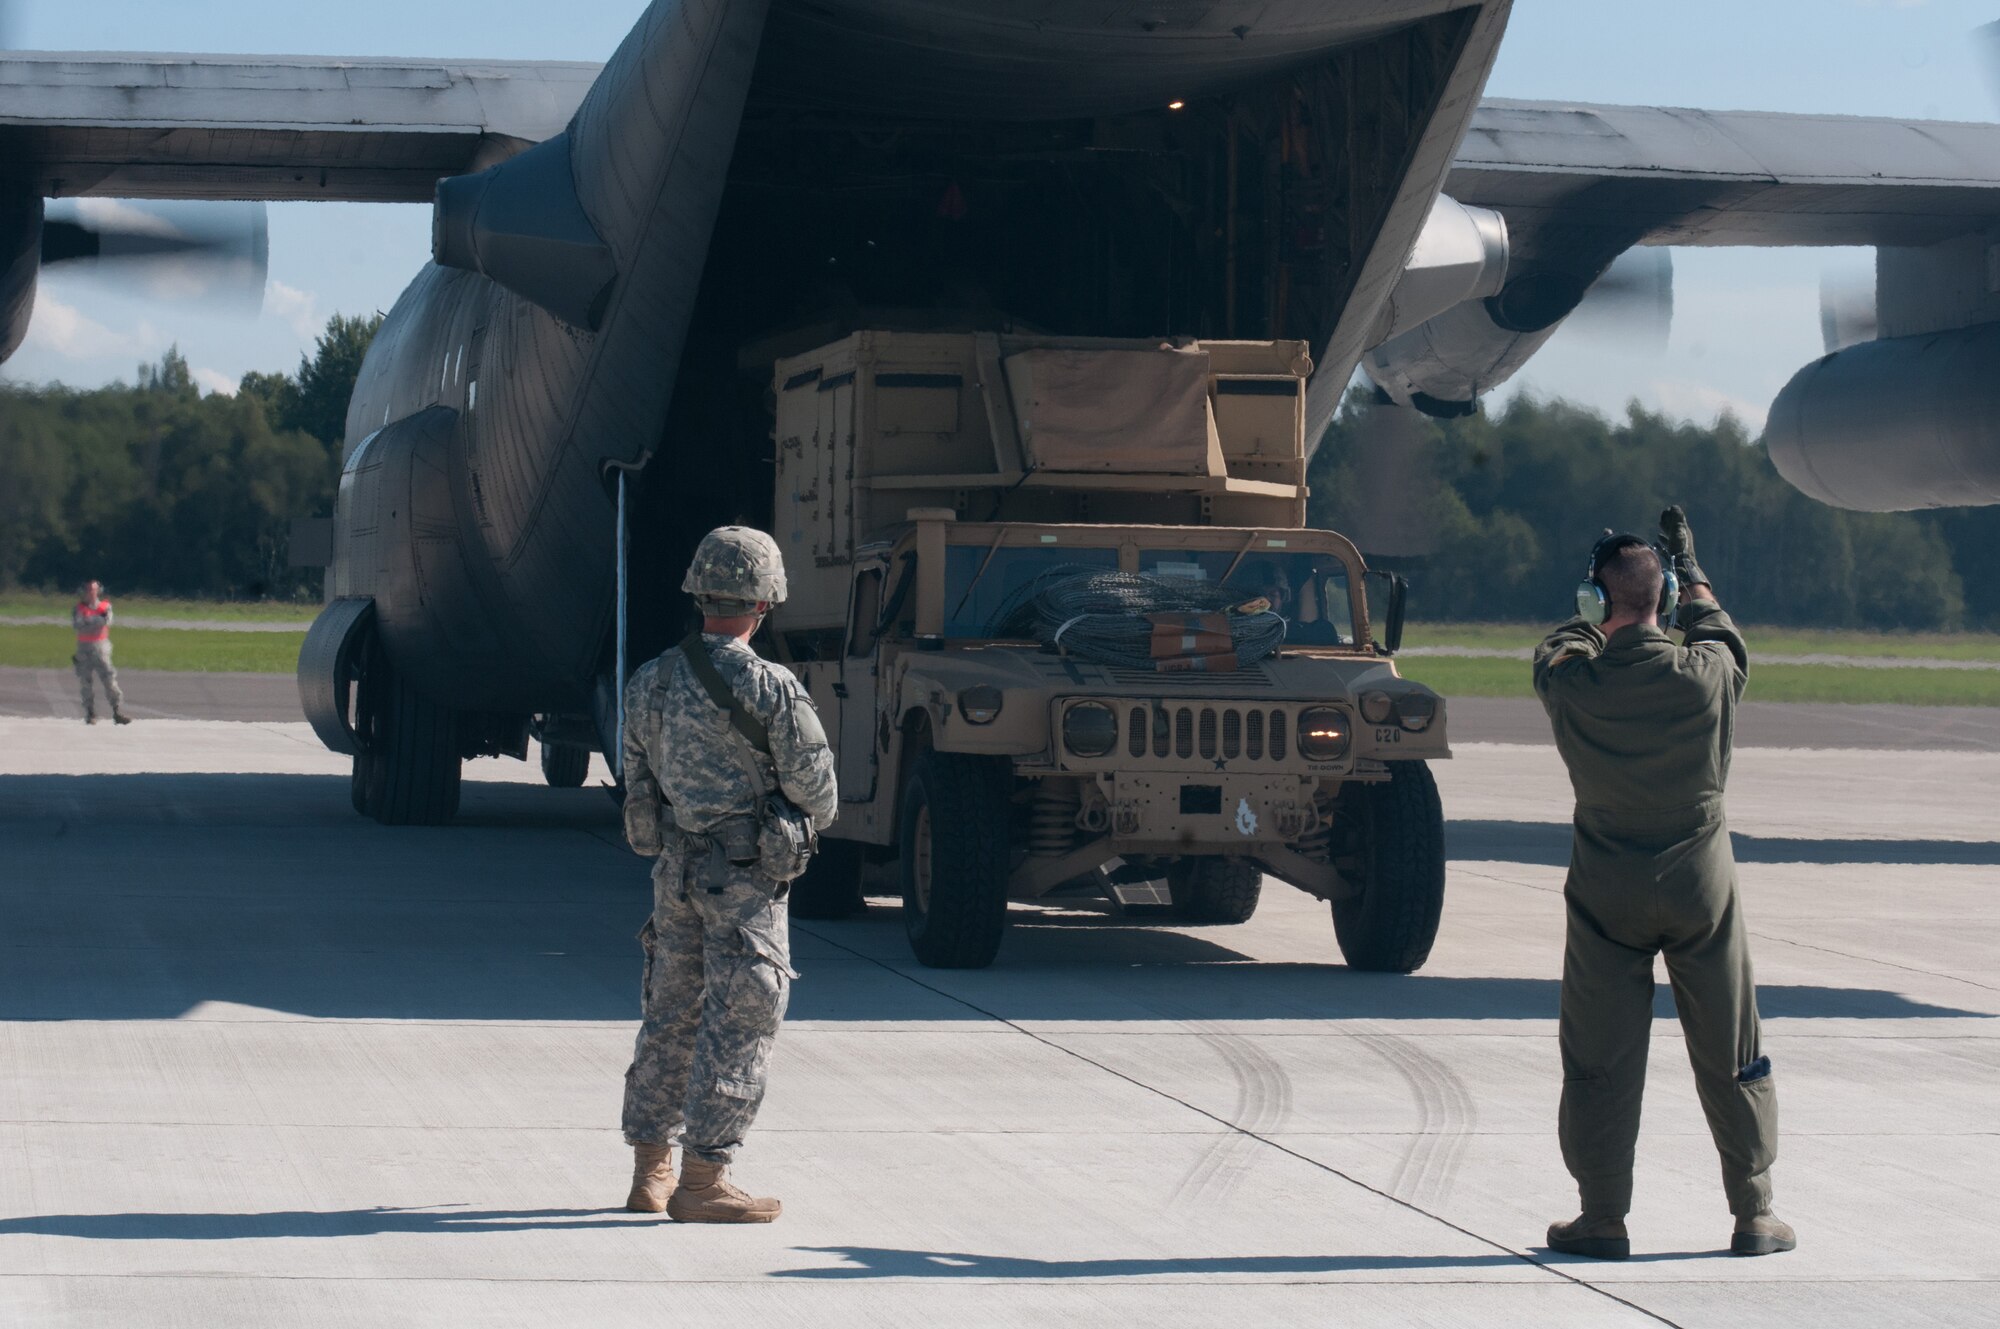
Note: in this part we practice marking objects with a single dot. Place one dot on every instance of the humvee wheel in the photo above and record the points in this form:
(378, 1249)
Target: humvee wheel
(1214, 890)
(953, 832)
(830, 887)
(564, 765)
(1394, 852)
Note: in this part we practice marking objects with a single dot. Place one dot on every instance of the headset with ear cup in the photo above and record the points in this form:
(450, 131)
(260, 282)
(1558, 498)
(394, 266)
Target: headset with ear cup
(1593, 602)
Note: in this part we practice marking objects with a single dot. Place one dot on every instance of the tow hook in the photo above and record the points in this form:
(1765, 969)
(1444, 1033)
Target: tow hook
(1293, 821)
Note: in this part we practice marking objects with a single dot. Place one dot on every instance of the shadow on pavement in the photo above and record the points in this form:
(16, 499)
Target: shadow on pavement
(880, 1262)
(1546, 843)
(313, 1223)
(218, 896)
(56, 804)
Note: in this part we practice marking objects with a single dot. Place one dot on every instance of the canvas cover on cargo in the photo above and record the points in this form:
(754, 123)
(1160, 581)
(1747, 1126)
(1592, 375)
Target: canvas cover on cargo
(1123, 411)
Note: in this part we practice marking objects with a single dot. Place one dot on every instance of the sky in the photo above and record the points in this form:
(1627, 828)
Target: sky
(1744, 319)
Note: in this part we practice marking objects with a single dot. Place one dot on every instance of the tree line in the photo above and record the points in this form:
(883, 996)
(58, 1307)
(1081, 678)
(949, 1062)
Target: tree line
(1500, 510)
(155, 488)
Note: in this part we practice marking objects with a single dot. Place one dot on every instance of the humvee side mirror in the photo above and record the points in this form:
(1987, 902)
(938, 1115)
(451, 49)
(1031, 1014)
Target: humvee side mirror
(1395, 598)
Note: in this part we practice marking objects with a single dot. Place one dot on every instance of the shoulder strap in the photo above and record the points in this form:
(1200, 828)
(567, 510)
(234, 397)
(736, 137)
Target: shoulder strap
(719, 692)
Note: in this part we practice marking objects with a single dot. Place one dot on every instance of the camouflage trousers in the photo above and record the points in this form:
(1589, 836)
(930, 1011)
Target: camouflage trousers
(93, 662)
(718, 976)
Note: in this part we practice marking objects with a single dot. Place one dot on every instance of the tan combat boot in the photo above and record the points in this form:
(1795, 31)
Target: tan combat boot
(1762, 1234)
(704, 1196)
(1599, 1238)
(652, 1178)
(119, 717)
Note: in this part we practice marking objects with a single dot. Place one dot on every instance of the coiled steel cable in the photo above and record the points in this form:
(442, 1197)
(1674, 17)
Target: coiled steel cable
(1103, 616)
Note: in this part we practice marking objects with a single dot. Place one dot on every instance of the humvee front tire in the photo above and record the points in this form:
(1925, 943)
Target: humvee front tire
(830, 887)
(1393, 851)
(953, 837)
(1214, 890)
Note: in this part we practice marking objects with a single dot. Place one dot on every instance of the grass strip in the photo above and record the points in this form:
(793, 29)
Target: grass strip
(201, 651)
(35, 604)
(1822, 683)
(1773, 641)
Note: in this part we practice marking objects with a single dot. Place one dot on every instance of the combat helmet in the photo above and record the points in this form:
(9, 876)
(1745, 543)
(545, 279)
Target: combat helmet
(734, 567)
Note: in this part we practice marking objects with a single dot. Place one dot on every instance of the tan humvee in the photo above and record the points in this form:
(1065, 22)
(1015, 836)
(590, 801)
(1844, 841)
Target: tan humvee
(924, 483)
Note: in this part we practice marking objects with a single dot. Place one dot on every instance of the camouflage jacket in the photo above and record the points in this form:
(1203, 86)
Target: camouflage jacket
(681, 749)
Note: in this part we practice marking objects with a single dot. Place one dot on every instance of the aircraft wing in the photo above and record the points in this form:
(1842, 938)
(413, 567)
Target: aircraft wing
(381, 130)
(270, 127)
(1660, 175)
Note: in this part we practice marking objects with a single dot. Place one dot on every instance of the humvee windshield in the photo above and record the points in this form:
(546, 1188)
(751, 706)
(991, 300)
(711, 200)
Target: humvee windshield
(1309, 590)
(984, 585)
(975, 601)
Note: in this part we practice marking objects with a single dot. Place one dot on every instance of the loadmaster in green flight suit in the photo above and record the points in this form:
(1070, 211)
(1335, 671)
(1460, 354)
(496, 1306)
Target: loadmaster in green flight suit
(1645, 727)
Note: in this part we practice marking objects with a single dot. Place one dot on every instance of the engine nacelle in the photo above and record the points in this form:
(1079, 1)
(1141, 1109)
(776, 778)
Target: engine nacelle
(1460, 255)
(20, 262)
(1441, 366)
(1894, 425)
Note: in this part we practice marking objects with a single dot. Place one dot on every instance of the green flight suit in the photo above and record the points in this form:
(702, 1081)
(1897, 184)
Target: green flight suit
(1645, 728)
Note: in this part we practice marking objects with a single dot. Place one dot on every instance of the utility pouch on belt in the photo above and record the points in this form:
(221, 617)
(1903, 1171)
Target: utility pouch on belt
(780, 837)
(646, 824)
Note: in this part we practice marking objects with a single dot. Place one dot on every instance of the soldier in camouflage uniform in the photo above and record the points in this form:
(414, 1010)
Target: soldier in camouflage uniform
(731, 820)
(1645, 728)
(92, 620)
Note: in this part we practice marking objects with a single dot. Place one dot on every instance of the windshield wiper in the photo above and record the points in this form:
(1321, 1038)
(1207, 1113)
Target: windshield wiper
(984, 563)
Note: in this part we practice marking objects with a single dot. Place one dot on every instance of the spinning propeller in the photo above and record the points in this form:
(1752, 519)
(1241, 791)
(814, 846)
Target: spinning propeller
(215, 253)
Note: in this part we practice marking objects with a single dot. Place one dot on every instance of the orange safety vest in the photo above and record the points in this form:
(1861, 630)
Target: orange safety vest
(86, 636)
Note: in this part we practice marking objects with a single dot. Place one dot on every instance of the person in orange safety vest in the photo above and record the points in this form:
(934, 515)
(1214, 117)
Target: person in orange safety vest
(92, 620)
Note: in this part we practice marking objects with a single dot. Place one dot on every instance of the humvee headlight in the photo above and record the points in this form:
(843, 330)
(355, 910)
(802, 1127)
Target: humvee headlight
(1377, 707)
(980, 705)
(1416, 710)
(1324, 734)
(1090, 728)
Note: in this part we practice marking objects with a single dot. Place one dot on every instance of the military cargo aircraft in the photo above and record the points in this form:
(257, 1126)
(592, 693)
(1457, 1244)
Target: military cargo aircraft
(574, 388)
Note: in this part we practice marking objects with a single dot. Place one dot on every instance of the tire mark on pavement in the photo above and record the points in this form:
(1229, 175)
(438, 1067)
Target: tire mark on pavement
(1446, 1119)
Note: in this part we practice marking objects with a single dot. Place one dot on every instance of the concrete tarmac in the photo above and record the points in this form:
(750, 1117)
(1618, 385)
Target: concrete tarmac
(266, 1063)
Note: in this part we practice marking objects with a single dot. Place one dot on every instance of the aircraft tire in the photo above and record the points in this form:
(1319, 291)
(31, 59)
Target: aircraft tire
(419, 758)
(564, 765)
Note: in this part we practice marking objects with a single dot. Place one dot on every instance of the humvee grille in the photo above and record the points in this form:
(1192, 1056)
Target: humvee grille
(1186, 732)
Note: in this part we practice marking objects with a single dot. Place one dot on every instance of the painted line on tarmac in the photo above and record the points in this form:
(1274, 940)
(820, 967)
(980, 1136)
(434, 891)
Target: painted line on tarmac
(1224, 1122)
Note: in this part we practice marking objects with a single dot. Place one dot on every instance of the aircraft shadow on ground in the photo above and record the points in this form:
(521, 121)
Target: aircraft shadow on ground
(1546, 843)
(44, 805)
(313, 1223)
(268, 892)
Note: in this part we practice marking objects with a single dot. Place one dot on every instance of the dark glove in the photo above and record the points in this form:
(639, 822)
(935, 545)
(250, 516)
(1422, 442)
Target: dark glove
(1679, 543)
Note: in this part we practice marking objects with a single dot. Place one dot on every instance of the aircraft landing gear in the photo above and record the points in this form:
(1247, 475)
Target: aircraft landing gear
(407, 772)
